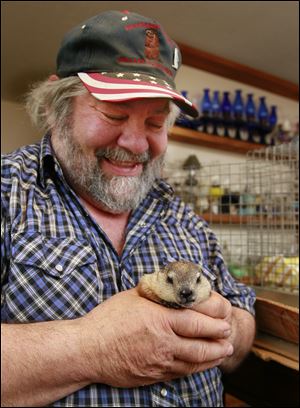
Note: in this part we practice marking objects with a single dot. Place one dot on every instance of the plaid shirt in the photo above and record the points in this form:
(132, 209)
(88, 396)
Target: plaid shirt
(57, 263)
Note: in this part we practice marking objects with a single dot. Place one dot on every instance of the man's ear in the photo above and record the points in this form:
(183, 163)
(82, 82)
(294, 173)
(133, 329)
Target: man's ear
(53, 77)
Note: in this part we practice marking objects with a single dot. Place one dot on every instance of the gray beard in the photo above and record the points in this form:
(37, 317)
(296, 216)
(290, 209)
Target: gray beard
(115, 194)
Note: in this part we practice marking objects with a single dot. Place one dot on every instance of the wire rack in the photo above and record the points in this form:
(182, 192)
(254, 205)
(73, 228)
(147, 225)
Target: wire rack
(253, 207)
(273, 233)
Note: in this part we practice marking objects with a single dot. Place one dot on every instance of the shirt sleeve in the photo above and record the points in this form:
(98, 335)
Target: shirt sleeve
(4, 254)
(6, 185)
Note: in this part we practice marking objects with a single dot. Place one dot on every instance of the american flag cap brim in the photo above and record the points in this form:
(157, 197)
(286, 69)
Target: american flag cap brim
(123, 86)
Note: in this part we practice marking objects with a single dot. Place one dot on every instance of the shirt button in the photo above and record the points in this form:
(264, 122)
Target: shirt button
(163, 392)
(59, 268)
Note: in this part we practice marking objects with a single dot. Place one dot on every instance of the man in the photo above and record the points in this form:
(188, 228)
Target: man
(85, 215)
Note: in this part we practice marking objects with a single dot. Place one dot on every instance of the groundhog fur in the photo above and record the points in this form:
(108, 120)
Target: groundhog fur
(178, 284)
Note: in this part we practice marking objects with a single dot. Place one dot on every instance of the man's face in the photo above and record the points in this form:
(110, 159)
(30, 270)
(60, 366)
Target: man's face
(111, 153)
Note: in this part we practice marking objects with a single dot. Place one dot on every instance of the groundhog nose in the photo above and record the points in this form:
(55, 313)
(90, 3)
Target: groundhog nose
(187, 295)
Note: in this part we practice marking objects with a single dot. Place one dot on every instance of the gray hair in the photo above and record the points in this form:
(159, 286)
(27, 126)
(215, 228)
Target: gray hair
(49, 103)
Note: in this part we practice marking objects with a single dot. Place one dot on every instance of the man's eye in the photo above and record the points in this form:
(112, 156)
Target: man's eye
(155, 125)
(115, 118)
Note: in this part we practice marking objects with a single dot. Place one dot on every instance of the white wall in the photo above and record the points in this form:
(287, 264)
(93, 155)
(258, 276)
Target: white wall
(16, 128)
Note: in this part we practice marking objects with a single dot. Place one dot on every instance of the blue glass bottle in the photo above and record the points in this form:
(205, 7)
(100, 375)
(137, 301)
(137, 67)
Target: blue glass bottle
(226, 105)
(250, 108)
(182, 119)
(226, 112)
(238, 111)
(262, 115)
(250, 112)
(216, 112)
(206, 102)
(272, 121)
(273, 117)
(262, 112)
(238, 105)
(205, 108)
(184, 93)
(215, 104)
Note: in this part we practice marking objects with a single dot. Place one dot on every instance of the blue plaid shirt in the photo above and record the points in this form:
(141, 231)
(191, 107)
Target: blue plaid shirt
(57, 263)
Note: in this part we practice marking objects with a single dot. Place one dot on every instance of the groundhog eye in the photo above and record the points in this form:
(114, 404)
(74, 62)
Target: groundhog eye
(169, 280)
(198, 279)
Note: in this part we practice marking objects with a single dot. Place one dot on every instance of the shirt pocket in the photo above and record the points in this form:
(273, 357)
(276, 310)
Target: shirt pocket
(57, 257)
(51, 278)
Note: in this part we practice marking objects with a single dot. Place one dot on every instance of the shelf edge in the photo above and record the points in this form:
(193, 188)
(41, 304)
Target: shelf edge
(190, 136)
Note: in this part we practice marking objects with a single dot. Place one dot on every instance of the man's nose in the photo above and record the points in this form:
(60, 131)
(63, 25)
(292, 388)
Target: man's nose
(134, 138)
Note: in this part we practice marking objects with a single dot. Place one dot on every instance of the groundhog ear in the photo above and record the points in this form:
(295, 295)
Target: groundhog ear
(166, 268)
(200, 269)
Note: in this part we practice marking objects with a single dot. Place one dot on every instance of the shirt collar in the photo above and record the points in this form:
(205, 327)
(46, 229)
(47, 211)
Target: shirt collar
(49, 165)
(162, 190)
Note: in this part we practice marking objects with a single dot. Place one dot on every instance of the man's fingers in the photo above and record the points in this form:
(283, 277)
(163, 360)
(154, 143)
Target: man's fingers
(201, 351)
(181, 368)
(215, 306)
(189, 323)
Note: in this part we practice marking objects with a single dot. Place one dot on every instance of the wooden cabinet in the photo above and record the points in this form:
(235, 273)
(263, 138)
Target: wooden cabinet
(262, 383)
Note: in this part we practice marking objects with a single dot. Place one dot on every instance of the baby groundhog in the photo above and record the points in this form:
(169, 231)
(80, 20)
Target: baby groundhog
(178, 284)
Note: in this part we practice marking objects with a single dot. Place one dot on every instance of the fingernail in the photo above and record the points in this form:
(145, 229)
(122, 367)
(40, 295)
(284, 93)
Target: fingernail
(230, 350)
(227, 333)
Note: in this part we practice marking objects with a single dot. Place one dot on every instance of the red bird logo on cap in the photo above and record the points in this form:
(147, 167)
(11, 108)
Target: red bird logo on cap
(151, 44)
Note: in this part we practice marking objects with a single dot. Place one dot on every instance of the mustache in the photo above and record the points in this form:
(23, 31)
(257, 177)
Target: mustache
(120, 154)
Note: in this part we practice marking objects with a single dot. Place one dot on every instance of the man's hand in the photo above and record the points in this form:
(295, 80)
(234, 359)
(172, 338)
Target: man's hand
(133, 341)
(215, 306)
(126, 341)
(242, 327)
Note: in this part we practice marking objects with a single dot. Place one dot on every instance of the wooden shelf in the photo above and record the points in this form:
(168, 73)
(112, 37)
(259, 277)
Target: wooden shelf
(247, 219)
(190, 136)
(225, 218)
